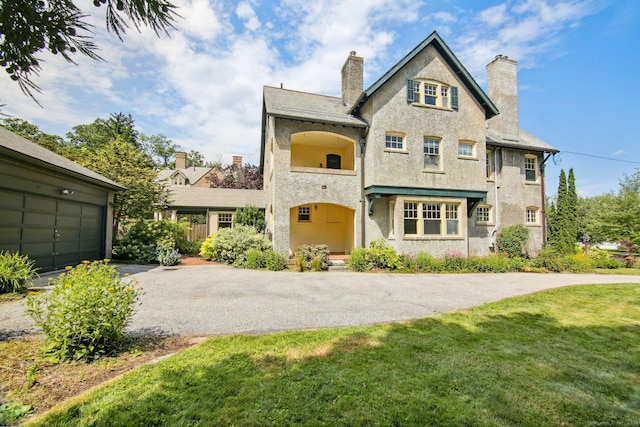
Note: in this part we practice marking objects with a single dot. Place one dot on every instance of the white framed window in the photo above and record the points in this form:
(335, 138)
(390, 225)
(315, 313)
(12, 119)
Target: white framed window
(483, 214)
(491, 165)
(225, 220)
(431, 219)
(531, 168)
(432, 158)
(304, 213)
(177, 179)
(394, 141)
(432, 93)
(467, 149)
(532, 215)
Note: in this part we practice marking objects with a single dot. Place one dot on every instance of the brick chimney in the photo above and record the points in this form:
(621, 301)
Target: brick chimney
(502, 81)
(352, 79)
(237, 161)
(181, 160)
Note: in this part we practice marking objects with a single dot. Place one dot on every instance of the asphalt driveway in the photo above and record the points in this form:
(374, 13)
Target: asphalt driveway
(218, 299)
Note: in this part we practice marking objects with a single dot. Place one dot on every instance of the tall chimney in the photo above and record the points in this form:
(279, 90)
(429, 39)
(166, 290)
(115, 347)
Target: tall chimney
(502, 81)
(181, 160)
(237, 161)
(352, 79)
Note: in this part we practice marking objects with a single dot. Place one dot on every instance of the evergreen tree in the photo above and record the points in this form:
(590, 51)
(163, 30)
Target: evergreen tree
(572, 211)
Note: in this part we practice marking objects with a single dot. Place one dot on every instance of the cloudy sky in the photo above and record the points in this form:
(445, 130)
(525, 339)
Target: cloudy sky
(578, 65)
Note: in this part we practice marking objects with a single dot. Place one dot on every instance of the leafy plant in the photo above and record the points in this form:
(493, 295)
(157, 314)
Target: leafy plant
(250, 215)
(307, 254)
(428, 263)
(275, 261)
(142, 239)
(84, 316)
(10, 412)
(16, 272)
(454, 261)
(255, 259)
(511, 240)
(230, 245)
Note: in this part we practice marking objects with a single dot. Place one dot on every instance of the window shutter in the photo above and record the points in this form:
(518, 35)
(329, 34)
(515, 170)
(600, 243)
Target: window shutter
(454, 97)
(410, 90)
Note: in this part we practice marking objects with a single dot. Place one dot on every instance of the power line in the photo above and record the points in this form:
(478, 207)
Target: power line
(600, 157)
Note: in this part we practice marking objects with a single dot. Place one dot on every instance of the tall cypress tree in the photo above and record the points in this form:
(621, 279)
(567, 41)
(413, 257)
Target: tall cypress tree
(572, 210)
(562, 216)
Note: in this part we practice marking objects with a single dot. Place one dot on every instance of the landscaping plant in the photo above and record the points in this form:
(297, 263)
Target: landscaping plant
(250, 215)
(84, 315)
(230, 245)
(16, 272)
(511, 240)
(140, 241)
(313, 257)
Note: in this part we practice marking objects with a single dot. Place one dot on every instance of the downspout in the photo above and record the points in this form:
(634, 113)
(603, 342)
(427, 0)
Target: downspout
(543, 208)
(496, 187)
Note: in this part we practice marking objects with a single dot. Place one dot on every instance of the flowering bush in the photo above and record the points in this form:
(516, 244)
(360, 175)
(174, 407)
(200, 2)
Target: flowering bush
(312, 257)
(230, 245)
(142, 240)
(84, 315)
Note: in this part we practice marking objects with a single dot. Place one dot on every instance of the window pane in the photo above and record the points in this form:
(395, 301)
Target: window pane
(465, 149)
(452, 227)
(431, 227)
(431, 154)
(410, 226)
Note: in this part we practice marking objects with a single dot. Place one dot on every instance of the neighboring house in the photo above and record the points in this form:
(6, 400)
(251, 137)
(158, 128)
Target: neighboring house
(52, 209)
(190, 195)
(422, 158)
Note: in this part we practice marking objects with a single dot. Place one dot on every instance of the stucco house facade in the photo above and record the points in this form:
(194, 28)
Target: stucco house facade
(423, 158)
(52, 209)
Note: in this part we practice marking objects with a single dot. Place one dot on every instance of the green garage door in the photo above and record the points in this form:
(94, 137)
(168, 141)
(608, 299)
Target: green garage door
(54, 233)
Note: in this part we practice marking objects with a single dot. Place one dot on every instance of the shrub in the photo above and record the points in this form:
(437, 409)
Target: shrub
(578, 264)
(275, 261)
(454, 261)
(206, 249)
(549, 259)
(511, 240)
(255, 259)
(166, 254)
(309, 253)
(230, 245)
(602, 258)
(140, 241)
(428, 263)
(407, 262)
(84, 315)
(250, 215)
(16, 272)
(358, 260)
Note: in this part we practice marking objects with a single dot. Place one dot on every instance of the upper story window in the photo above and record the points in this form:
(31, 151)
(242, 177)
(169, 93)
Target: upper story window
(467, 149)
(436, 219)
(394, 141)
(432, 157)
(433, 93)
(177, 179)
(531, 168)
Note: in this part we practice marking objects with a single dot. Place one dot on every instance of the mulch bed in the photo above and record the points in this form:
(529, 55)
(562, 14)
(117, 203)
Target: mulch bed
(195, 261)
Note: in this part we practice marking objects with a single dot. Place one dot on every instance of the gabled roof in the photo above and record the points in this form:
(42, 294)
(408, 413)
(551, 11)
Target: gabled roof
(194, 197)
(296, 105)
(192, 174)
(436, 41)
(15, 146)
(526, 141)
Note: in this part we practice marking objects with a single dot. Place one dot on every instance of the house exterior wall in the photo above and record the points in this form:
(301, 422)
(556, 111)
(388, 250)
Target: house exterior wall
(388, 111)
(286, 188)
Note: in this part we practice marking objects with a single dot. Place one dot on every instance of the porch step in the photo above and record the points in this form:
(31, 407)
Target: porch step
(337, 265)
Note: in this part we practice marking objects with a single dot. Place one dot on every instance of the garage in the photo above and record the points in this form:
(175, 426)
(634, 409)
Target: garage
(52, 209)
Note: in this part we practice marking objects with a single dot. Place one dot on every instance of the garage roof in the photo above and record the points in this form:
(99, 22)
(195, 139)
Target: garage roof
(13, 145)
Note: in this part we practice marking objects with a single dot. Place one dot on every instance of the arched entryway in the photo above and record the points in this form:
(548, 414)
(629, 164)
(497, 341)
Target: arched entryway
(322, 224)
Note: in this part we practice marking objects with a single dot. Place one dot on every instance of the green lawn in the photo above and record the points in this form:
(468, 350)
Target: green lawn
(619, 271)
(568, 356)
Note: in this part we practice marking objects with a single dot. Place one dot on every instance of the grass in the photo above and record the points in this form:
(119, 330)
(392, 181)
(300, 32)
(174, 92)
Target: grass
(622, 271)
(567, 356)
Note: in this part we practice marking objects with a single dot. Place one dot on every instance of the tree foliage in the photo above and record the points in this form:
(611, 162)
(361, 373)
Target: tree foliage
(247, 176)
(250, 215)
(562, 217)
(160, 148)
(28, 27)
(33, 133)
(101, 132)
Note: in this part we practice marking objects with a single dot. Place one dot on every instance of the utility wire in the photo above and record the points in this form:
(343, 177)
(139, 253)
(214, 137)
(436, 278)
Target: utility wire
(600, 157)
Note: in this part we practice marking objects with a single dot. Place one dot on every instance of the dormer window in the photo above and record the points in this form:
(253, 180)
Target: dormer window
(177, 179)
(432, 93)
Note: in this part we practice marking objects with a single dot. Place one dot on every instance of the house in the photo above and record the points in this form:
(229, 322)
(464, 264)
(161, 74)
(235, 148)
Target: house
(52, 209)
(423, 158)
(191, 197)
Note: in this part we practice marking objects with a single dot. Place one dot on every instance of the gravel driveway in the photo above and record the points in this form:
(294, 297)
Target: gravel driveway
(219, 299)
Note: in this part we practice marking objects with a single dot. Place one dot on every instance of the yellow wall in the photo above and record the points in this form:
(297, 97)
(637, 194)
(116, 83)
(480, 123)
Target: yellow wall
(330, 225)
(310, 149)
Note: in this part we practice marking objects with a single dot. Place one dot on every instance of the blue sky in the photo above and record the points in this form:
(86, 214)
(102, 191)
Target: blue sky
(578, 64)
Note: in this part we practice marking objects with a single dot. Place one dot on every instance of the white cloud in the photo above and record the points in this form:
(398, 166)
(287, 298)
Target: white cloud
(618, 153)
(246, 12)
